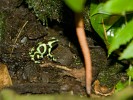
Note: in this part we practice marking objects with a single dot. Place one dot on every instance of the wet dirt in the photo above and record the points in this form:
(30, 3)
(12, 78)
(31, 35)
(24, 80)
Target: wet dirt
(23, 31)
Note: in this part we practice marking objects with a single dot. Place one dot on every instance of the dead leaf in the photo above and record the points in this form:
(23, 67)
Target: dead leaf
(5, 79)
(102, 90)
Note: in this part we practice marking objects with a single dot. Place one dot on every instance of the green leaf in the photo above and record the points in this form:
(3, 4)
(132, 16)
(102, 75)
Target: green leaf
(118, 6)
(119, 86)
(128, 52)
(123, 35)
(130, 71)
(98, 18)
(76, 5)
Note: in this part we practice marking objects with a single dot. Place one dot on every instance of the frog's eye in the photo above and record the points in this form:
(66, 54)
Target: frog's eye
(53, 42)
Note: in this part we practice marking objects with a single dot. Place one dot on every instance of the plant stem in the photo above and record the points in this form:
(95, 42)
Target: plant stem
(85, 49)
(18, 37)
(130, 78)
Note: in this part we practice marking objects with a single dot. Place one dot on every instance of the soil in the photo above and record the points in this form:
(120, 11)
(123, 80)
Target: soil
(23, 31)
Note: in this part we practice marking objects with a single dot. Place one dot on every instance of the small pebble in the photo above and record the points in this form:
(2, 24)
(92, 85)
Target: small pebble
(24, 40)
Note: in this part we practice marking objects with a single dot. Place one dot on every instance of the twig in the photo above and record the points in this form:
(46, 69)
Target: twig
(105, 34)
(104, 29)
(56, 66)
(18, 37)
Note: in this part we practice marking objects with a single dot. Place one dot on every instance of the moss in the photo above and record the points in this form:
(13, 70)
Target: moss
(45, 9)
(111, 75)
(55, 10)
(2, 26)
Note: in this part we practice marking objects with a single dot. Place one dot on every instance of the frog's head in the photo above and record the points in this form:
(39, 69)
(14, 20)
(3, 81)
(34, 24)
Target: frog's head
(52, 42)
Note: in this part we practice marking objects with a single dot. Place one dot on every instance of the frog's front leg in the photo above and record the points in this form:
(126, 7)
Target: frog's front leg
(36, 57)
(51, 57)
(49, 54)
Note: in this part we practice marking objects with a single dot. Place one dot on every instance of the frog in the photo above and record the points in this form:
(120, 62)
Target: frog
(43, 49)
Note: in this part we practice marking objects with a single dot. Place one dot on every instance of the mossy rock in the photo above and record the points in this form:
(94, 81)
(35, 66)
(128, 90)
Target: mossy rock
(55, 10)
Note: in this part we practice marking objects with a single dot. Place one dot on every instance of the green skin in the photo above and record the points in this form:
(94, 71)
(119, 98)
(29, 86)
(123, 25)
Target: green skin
(43, 49)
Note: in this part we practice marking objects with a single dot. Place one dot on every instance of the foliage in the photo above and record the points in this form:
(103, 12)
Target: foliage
(114, 25)
(119, 6)
(123, 35)
(104, 24)
(128, 52)
(121, 85)
(130, 72)
(113, 21)
(76, 5)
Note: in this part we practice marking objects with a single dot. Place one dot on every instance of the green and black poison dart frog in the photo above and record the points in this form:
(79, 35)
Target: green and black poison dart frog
(43, 49)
